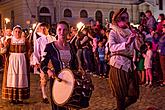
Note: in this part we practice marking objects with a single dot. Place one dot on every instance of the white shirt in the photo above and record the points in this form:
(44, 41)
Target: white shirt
(5, 39)
(117, 45)
(148, 59)
(39, 47)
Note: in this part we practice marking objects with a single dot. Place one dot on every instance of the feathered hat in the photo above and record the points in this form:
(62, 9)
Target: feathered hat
(117, 14)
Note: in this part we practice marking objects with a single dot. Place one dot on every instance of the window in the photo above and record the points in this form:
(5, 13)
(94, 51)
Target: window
(160, 4)
(67, 13)
(44, 10)
(99, 16)
(44, 15)
(83, 14)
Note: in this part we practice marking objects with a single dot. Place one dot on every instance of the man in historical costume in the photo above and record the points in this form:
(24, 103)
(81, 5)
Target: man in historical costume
(16, 78)
(39, 46)
(122, 42)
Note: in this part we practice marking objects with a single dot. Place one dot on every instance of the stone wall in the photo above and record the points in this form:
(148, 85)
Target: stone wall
(56, 7)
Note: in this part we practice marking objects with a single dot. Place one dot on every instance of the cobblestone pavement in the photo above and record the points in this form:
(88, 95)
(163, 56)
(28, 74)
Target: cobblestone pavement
(101, 99)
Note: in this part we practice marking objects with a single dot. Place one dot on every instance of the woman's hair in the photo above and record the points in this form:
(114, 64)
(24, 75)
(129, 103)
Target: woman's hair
(142, 14)
(45, 25)
(149, 43)
(149, 11)
(64, 22)
(162, 16)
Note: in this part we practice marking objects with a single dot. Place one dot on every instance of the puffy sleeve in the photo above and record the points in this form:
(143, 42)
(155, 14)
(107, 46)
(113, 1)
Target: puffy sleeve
(113, 45)
(5, 49)
(37, 52)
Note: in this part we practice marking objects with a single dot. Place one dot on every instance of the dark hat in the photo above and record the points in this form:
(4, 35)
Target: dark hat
(117, 14)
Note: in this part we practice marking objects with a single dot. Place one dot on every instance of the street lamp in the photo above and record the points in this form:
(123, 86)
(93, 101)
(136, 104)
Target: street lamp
(7, 20)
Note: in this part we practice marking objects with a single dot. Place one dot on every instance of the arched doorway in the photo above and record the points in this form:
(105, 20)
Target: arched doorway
(83, 14)
(99, 16)
(44, 15)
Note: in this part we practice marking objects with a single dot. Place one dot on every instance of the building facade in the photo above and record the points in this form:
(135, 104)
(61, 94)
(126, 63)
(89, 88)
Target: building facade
(27, 12)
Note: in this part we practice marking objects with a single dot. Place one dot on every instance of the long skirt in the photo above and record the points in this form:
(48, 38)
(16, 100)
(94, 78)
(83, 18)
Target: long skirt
(16, 78)
(122, 83)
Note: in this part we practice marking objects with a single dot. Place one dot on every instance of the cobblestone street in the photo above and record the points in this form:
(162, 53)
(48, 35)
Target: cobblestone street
(101, 99)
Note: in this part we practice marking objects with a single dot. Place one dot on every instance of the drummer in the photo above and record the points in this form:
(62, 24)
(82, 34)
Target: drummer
(58, 55)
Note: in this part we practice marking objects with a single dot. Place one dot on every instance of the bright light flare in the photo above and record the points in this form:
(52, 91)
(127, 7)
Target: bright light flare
(134, 25)
(80, 26)
(7, 20)
(34, 25)
(30, 31)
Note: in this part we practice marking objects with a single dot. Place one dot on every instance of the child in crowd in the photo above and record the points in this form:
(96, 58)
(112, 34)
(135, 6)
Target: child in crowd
(101, 53)
(140, 64)
(148, 63)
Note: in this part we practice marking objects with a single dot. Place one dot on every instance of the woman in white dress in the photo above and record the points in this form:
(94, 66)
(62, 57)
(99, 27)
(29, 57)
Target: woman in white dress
(16, 76)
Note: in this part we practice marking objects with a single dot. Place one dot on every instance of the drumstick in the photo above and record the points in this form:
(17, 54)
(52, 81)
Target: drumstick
(57, 78)
(75, 36)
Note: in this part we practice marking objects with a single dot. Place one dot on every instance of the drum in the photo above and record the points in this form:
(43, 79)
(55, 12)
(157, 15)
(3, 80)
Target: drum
(74, 90)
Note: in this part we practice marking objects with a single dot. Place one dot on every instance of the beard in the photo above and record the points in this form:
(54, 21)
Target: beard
(124, 25)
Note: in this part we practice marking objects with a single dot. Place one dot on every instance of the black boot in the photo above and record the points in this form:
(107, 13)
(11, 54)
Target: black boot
(120, 103)
(130, 100)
